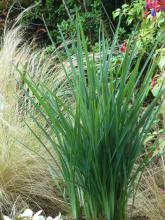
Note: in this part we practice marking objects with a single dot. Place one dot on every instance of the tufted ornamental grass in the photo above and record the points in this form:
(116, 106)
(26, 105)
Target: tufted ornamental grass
(98, 139)
(150, 197)
(24, 178)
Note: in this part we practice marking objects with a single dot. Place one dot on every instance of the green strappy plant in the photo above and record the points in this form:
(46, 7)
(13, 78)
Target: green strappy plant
(98, 139)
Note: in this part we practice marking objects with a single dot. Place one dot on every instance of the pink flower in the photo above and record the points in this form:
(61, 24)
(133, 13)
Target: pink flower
(155, 6)
(162, 190)
(153, 83)
(148, 5)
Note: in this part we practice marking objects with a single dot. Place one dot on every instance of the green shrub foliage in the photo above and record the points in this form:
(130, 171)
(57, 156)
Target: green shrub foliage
(63, 13)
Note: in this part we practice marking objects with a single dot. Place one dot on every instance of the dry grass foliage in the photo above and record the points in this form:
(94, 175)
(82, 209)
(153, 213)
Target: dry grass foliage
(24, 178)
(16, 54)
(150, 200)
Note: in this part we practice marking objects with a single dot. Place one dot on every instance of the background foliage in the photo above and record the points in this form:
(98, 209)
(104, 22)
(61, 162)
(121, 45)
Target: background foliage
(92, 13)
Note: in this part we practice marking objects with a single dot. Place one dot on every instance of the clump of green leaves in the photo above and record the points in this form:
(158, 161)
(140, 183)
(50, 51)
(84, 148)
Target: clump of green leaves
(132, 12)
(63, 13)
(97, 140)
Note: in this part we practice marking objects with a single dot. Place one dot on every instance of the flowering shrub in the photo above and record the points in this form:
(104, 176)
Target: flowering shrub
(154, 6)
(153, 22)
(150, 14)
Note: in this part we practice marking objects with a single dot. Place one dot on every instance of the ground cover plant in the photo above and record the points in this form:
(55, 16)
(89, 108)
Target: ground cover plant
(99, 138)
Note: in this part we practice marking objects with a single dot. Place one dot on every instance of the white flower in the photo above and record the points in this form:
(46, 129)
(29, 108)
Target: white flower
(28, 213)
(37, 216)
(40, 217)
(56, 218)
(49, 218)
(6, 218)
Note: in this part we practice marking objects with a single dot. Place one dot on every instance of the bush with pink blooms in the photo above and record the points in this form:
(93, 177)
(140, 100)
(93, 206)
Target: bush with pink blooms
(150, 17)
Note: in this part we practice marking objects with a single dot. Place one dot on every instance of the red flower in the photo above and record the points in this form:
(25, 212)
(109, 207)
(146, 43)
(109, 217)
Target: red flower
(145, 13)
(123, 47)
